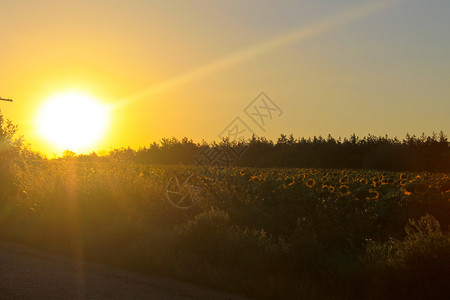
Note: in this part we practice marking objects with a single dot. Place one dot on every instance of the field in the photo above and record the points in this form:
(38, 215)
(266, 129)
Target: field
(266, 233)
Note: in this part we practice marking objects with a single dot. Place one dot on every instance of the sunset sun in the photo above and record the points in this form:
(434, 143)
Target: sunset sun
(72, 120)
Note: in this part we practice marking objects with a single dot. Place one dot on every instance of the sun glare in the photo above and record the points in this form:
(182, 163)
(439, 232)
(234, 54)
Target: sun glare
(72, 120)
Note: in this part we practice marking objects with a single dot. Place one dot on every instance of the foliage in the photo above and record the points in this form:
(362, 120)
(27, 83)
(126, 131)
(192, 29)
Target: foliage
(417, 267)
(424, 153)
(268, 233)
(10, 149)
(262, 232)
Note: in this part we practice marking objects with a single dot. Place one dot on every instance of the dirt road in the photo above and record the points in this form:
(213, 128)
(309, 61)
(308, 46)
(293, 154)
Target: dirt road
(28, 273)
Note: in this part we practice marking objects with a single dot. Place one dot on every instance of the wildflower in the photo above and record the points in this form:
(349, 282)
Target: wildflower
(331, 189)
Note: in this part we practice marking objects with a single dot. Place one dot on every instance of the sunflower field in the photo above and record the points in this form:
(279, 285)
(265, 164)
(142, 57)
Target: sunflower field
(264, 233)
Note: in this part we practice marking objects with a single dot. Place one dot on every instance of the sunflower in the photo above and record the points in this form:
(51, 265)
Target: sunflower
(344, 190)
(363, 181)
(344, 180)
(254, 178)
(403, 182)
(314, 172)
(289, 180)
(410, 188)
(331, 189)
(373, 194)
(310, 182)
(403, 176)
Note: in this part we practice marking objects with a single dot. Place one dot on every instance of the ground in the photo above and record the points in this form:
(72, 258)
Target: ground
(28, 273)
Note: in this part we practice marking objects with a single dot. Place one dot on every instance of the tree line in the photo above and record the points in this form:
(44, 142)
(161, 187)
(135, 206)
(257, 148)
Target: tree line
(413, 153)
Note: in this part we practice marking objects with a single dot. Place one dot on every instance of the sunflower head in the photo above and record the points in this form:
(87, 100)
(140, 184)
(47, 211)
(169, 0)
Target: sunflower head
(314, 172)
(310, 182)
(373, 194)
(344, 179)
(344, 190)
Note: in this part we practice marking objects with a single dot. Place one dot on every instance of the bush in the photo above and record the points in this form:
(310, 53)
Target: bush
(417, 267)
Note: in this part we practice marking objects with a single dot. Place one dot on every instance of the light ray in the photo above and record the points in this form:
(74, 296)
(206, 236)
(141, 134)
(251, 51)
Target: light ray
(331, 22)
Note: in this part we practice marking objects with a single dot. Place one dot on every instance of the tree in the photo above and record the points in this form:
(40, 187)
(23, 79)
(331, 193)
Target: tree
(10, 147)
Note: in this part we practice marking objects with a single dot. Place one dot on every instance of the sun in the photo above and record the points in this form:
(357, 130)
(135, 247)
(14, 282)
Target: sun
(72, 120)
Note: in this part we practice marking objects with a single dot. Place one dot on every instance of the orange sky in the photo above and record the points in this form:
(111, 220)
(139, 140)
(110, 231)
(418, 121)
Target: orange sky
(178, 68)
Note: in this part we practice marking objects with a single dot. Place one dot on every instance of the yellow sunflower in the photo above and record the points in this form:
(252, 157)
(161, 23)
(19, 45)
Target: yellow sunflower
(373, 194)
(344, 180)
(310, 182)
(344, 190)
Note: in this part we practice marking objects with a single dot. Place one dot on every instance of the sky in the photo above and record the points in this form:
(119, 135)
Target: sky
(190, 68)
